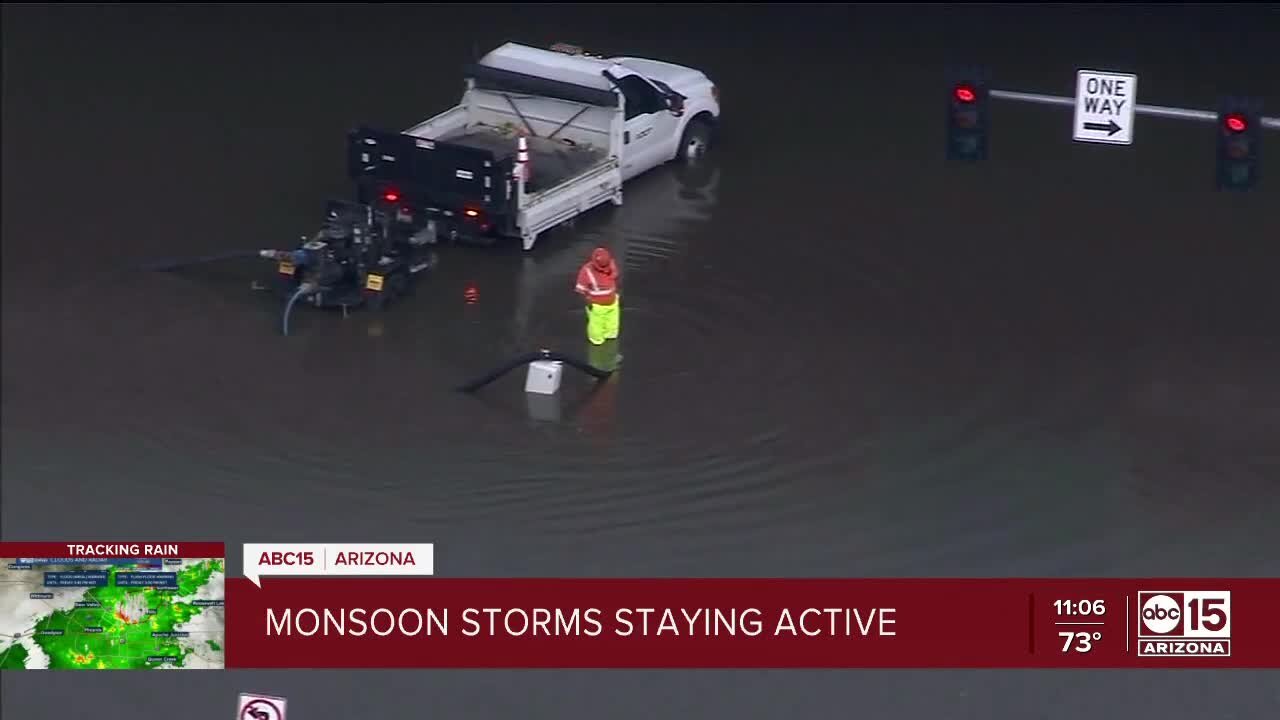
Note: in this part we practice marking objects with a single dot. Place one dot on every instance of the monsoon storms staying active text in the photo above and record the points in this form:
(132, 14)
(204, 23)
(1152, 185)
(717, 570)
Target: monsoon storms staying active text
(582, 622)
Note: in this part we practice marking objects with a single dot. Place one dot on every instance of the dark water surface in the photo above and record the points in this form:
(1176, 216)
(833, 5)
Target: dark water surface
(842, 358)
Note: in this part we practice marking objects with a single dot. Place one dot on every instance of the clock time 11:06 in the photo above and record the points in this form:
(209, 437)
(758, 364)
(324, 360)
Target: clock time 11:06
(1082, 608)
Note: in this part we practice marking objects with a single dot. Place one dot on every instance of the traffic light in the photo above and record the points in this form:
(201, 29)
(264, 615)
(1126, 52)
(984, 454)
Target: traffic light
(1239, 130)
(967, 103)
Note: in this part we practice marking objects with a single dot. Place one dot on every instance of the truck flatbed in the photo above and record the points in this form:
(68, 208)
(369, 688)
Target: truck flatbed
(553, 161)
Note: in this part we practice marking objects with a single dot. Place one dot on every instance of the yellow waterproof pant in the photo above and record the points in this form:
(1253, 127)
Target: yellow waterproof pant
(603, 321)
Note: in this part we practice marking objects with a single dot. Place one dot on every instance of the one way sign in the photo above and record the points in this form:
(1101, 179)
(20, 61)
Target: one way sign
(1105, 103)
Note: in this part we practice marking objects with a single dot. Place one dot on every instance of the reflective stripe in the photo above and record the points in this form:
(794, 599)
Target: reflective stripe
(595, 286)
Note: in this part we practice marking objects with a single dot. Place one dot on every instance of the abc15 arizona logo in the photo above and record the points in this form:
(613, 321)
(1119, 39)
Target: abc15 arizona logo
(1189, 623)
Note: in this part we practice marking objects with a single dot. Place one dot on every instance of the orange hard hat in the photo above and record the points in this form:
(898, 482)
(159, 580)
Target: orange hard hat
(601, 257)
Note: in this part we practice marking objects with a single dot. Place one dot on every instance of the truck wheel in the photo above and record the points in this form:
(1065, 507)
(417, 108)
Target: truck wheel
(695, 143)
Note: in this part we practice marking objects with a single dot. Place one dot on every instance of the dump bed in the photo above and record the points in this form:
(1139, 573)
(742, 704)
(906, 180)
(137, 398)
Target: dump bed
(466, 154)
(462, 160)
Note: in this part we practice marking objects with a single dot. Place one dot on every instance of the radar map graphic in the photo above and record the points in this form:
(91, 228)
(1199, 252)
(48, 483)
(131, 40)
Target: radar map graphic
(99, 614)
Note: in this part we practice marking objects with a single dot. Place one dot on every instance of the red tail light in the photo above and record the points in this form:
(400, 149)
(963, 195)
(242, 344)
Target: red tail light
(476, 215)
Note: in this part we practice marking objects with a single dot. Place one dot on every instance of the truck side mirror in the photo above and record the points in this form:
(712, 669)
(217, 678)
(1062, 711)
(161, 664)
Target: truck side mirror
(676, 104)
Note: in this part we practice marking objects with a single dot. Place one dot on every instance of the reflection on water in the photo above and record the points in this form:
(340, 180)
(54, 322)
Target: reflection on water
(805, 341)
(841, 358)
(661, 212)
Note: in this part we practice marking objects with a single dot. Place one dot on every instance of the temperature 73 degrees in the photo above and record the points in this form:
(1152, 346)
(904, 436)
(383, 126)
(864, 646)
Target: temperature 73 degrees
(1079, 641)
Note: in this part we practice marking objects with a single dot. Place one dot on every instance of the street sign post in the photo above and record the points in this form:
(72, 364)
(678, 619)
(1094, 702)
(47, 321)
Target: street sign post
(1104, 107)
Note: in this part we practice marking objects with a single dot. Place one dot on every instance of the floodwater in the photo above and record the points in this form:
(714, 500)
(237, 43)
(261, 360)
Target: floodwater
(841, 357)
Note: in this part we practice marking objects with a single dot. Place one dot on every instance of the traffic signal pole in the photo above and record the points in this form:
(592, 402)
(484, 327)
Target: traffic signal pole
(1175, 113)
(1104, 112)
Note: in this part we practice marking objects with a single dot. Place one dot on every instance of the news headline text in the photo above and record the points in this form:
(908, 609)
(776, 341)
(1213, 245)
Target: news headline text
(581, 622)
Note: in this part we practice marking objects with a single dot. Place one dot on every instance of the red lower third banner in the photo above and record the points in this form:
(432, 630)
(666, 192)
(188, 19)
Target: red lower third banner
(752, 623)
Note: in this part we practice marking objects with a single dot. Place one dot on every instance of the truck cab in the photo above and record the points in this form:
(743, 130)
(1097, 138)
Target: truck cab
(671, 113)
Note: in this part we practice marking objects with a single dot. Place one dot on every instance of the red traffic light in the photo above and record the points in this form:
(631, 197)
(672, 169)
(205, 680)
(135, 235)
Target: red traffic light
(391, 196)
(1236, 123)
(965, 93)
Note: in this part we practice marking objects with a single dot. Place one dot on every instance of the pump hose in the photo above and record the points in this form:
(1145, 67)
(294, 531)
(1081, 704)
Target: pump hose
(303, 289)
(527, 358)
(176, 263)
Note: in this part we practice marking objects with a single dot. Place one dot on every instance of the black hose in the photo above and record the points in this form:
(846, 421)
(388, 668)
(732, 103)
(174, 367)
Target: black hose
(303, 289)
(174, 264)
(527, 358)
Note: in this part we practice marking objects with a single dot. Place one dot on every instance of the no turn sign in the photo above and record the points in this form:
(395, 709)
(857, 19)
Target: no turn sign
(260, 707)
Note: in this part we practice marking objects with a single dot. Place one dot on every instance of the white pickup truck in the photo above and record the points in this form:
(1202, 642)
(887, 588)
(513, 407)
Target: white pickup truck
(539, 137)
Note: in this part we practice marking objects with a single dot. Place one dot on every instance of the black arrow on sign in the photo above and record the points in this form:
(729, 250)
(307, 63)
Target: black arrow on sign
(1109, 126)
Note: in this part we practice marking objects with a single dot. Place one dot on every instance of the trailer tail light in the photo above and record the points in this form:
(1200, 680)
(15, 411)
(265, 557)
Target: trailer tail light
(476, 216)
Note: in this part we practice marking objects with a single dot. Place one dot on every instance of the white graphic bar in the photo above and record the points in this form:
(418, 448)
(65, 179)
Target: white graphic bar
(345, 559)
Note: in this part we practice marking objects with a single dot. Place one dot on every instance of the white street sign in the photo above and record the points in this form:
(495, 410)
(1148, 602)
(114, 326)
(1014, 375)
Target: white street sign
(1105, 103)
(260, 707)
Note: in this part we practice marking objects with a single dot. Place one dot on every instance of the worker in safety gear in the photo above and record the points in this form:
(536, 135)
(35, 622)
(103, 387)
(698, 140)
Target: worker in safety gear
(598, 286)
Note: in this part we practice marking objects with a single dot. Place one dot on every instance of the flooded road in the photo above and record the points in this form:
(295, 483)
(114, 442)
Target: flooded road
(841, 357)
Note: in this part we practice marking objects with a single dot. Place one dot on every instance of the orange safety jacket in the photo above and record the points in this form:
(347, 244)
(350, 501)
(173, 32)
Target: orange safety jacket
(600, 287)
